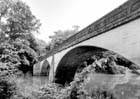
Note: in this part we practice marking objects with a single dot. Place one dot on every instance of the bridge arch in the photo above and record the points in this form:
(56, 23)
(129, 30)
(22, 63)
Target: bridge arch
(42, 68)
(76, 57)
(69, 63)
(45, 68)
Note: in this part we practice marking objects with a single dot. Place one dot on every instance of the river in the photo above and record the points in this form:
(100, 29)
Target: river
(123, 85)
(26, 85)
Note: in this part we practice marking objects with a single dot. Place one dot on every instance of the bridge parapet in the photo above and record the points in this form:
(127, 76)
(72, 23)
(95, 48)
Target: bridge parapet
(125, 13)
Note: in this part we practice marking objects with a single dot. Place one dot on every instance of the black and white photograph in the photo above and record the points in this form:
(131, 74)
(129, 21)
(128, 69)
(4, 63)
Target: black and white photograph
(69, 49)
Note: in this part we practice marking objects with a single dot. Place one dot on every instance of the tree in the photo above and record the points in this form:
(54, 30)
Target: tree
(17, 21)
(17, 25)
(41, 46)
(59, 36)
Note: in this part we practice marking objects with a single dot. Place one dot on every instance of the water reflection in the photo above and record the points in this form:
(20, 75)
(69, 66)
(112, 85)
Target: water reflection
(123, 86)
(108, 81)
(26, 85)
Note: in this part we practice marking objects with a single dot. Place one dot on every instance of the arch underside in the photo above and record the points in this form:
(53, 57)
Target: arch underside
(45, 68)
(81, 57)
(72, 60)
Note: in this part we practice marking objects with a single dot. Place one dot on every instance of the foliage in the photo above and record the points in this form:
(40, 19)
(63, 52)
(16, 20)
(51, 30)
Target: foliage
(8, 58)
(41, 45)
(52, 91)
(17, 56)
(60, 36)
(17, 21)
(7, 85)
(27, 56)
(18, 45)
(112, 59)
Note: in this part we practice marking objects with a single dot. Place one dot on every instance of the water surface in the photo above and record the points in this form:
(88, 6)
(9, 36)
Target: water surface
(28, 84)
(123, 86)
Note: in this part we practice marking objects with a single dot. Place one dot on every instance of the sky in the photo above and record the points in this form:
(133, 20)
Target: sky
(63, 14)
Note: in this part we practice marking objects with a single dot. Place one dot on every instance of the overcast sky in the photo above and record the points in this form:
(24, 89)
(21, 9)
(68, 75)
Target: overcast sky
(63, 14)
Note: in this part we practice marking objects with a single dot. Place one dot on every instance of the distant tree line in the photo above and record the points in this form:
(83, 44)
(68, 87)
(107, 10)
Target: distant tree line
(60, 36)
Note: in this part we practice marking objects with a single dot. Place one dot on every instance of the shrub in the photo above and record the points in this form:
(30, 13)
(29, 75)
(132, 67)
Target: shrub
(7, 88)
(99, 93)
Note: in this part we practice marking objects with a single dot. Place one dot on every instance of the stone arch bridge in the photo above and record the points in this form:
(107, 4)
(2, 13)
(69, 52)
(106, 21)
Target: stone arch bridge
(118, 31)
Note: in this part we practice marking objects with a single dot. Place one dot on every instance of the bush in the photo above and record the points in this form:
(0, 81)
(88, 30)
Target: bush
(99, 93)
(7, 88)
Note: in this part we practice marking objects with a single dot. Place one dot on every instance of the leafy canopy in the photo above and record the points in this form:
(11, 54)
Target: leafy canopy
(59, 36)
(17, 43)
(16, 19)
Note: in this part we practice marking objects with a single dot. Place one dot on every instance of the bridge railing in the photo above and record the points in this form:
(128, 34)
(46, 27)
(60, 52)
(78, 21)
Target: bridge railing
(125, 13)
